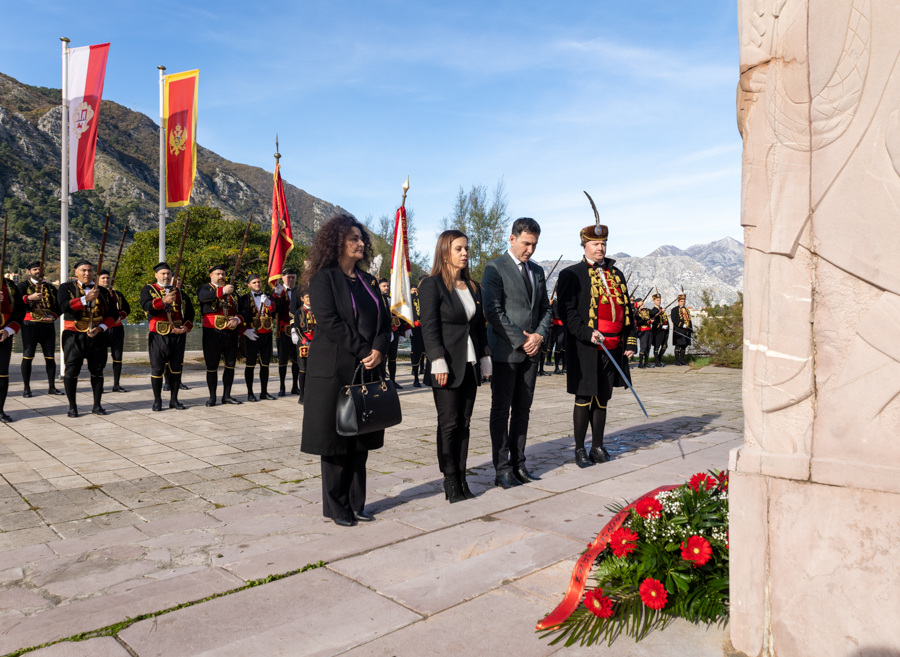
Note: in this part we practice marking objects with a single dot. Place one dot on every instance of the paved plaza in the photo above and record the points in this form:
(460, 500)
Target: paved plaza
(107, 518)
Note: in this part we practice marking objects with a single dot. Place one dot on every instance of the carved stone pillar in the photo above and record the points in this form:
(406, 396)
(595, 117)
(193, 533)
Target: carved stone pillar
(815, 490)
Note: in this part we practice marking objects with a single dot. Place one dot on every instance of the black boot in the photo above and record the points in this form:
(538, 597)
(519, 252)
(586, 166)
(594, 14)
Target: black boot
(97, 388)
(641, 361)
(117, 374)
(4, 390)
(227, 382)
(51, 376)
(452, 489)
(173, 396)
(248, 377)
(282, 373)
(212, 382)
(26, 376)
(295, 372)
(156, 384)
(464, 486)
(71, 387)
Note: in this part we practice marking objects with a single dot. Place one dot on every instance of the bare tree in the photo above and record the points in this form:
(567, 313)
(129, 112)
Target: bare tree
(485, 223)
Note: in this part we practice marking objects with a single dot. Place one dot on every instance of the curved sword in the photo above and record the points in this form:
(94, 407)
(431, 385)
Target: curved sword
(625, 378)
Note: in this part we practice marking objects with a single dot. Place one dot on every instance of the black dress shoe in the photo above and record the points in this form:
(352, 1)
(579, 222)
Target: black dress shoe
(506, 480)
(98, 410)
(118, 389)
(581, 458)
(300, 401)
(416, 384)
(282, 393)
(342, 522)
(231, 400)
(27, 393)
(524, 476)
(362, 516)
(599, 455)
(250, 398)
(265, 395)
(210, 402)
(181, 386)
(177, 405)
(4, 418)
(73, 412)
(54, 391)
(295, 390)
(157, 407)
(397, 385)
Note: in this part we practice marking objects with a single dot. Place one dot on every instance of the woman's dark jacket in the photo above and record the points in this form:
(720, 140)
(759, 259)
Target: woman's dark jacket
(334, 354)
(446, 330)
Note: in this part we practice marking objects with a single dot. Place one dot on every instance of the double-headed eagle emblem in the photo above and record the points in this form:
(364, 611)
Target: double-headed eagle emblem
(177, 140)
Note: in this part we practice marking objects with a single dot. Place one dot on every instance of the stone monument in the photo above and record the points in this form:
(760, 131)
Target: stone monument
(815, 490)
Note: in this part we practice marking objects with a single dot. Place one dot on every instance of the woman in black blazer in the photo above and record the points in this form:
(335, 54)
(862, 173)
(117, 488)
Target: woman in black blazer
(455, 336)
(351, 328)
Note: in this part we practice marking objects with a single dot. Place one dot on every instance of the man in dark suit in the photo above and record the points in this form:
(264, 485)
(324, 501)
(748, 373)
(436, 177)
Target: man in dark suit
(517, 309)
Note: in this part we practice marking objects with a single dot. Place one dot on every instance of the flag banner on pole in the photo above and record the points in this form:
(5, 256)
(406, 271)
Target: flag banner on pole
(180, 112)
(282, 241)
(87, 69)
(401, 297)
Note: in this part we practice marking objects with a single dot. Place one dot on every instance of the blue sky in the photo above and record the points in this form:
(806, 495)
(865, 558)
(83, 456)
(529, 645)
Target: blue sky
(631, 101)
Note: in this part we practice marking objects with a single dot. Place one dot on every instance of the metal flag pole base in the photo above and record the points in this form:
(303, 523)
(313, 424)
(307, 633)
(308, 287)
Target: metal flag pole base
(624, 378)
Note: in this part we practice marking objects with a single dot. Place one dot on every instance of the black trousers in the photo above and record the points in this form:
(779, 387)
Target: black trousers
(287, 353)
(116, 343)
(417, 350)
(344, 483)
(660, 339)
(454, 410)
(389, 364)
(558, 340)
(78, 348)
(512, 391)
(34, 334)
(644, 340)
(259, 350)
(5, 353)
(218, 346)
(166, 350)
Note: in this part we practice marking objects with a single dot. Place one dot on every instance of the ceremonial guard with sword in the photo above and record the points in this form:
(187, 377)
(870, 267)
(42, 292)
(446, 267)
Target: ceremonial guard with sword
(682, 329)
(416, 342)
(88, 311)
(260, 320)
(303, 330)
(284, 294)
(39, 327)
(660, 330)
(597, 313)
(12, 314)
(642, 332)
(171, 316)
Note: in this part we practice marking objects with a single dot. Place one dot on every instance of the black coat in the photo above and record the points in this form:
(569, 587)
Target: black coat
(682, 331)
(582, 364)
(446, 330)
(334, 354)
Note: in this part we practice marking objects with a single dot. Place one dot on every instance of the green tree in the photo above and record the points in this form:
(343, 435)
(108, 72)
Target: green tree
(722, 332)
(486, 224)
(210, 240)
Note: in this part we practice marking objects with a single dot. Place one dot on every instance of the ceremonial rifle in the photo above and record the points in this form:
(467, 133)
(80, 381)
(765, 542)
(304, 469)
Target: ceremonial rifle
(112, 279)
(40, 288)
(237, 263)
(97, 272)
(3, 259)
(187, 220)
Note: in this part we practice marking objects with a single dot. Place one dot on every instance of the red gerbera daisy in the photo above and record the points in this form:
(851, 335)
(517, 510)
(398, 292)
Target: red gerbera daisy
(697, 550)
(622, 542)
(599, 604)
(701, 479)
(649, 507)
(653, 593)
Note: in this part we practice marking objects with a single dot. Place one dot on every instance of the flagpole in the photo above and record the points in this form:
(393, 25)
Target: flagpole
(64, 188)
(162, 164)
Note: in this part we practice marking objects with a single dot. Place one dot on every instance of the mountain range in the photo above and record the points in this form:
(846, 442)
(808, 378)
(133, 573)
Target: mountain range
(717, 267)
(126, 178)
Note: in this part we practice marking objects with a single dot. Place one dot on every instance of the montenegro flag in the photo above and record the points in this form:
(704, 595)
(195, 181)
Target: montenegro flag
(180, 112)
(282, 241)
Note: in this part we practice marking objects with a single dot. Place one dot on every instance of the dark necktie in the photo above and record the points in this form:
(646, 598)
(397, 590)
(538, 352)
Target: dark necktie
(528, 286)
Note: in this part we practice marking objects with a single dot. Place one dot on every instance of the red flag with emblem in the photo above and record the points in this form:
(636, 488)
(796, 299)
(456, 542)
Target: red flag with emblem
(282, 240)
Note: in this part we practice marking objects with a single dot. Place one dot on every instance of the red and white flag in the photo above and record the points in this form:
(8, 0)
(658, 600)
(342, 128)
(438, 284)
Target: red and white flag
(87, 68)
(401, 296)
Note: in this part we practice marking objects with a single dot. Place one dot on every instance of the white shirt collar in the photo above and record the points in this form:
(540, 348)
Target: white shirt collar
(515, 259)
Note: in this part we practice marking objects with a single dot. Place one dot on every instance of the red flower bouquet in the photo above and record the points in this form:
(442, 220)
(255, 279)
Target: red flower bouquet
(598, 604)
(697, 550)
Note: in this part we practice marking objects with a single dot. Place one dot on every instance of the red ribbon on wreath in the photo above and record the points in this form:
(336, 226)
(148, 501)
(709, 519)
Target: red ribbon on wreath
(582, 569)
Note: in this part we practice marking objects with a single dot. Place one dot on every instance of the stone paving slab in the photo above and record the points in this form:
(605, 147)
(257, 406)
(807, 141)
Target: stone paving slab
(314, 613)
(105, 646)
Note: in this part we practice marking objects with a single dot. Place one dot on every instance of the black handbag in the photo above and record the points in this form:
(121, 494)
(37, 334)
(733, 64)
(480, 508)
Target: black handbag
(367, 407)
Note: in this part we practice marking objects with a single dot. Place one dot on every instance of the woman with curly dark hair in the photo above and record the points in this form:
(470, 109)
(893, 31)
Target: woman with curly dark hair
(352, 327)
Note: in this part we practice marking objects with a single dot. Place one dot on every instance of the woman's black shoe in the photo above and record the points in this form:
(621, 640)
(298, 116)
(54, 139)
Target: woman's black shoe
(250, 397)
(581, 458)
(362, 516)
(266, 395)
(599, 455)
(342, 522)
(452, 489)
(177, 405)
(464, 487)
(98, 410)
(4, 418)
(231, 400)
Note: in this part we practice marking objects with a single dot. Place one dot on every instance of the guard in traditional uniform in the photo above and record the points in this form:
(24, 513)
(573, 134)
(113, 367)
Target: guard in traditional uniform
(595, 308)
(416, 341)
(12, 314)
(398, 329)
(660, 330)
(303, 329)
(642, 332)
(221, 331)
(39, 327)
(260, 322)
(283, 295)
(116, 332)
(682, 330)
(171, 316)
(557, 337)
(88, 313)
